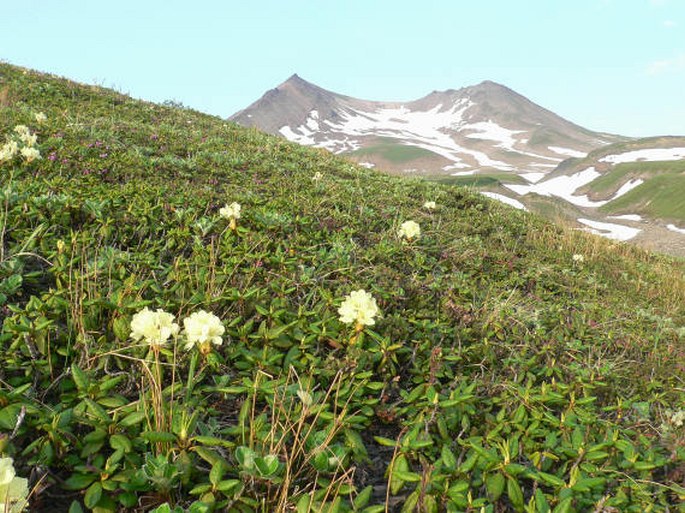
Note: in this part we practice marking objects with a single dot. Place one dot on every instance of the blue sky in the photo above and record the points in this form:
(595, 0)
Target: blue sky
(608, 65)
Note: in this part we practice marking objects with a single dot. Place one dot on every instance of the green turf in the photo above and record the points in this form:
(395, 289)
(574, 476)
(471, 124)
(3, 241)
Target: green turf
(394, 152)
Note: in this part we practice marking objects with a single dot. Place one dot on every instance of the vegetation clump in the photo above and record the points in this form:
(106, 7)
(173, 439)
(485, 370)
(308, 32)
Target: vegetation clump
(157, 358)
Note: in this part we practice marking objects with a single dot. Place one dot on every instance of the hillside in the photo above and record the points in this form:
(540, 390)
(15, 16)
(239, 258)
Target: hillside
(158, 356)
(484, 127)
(626, 191)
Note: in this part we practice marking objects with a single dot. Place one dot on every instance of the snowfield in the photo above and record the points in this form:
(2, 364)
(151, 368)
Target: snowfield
(562, 187)
(432, 130)
(610, 230)
(627, 217)
(565, 187)
(647, 155)
(567, 152)
(505, 199)
(674, 228)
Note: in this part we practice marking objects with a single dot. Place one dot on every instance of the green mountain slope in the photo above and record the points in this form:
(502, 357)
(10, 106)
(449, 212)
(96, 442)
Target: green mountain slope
(514, 365)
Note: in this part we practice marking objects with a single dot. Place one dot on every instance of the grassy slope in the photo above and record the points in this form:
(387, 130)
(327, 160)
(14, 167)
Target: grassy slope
(498, 367)
(659, 197)
(394, 152)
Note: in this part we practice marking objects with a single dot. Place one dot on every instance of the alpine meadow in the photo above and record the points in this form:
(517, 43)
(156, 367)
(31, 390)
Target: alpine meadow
(200, 317)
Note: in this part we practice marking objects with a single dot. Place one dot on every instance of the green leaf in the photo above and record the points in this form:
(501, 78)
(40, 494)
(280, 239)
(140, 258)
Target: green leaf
(402, 466)
(304, 504)
(213, 441)
(551, 479)
(228, 485)
(80, 379)
(246, 457)
(494, 484)
(515, 494)
(448, 458)
(75, 507)
(564, 506)
(93, 495)
(362, 498)
(158, 436)
(268, 465)
(97, 410)
(9, 416)
(217, 472)
(406, 477)
(385, 441)
(410, 502)
(541, 503)
(596, 455)
(132, 419)
(79, 481)
(374, 509)
(120, 442)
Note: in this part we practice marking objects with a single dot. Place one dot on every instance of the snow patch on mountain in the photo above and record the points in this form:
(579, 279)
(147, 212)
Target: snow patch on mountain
(612, 231)
(493, 132)
(532, 177)
(423, 129)
(505, 199)
(674, 228)
(627, 217)
(562, 187)
(565, 187)
(627, 187)
(646, 155)
(566, 151)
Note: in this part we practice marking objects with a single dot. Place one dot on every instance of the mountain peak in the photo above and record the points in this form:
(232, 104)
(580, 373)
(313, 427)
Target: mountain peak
(481, 127)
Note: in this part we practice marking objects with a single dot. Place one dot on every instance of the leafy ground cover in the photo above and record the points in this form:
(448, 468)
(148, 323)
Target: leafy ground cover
(513, 365)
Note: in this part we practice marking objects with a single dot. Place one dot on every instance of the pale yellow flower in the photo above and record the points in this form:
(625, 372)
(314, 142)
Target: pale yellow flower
(317, 176)
(358, 307)
(29, 154)
(7, 471)
(429, 205)
(21, 130)
(8, 151)
(579, 259)
(29, 140)
(409, 230)
(14, 490)
(40, 117)
(231, 211)
(153, 327)
(202, 329)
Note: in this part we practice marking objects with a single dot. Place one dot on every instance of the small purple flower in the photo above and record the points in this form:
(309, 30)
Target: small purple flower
(52, 157)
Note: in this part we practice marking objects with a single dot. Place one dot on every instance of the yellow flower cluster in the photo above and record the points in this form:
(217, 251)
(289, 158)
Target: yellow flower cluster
(359, 307)
(12, 147)
(155, 328)
(409, 230)
(429, 205)
(14, 490)
(202, 329)
(231, 211)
